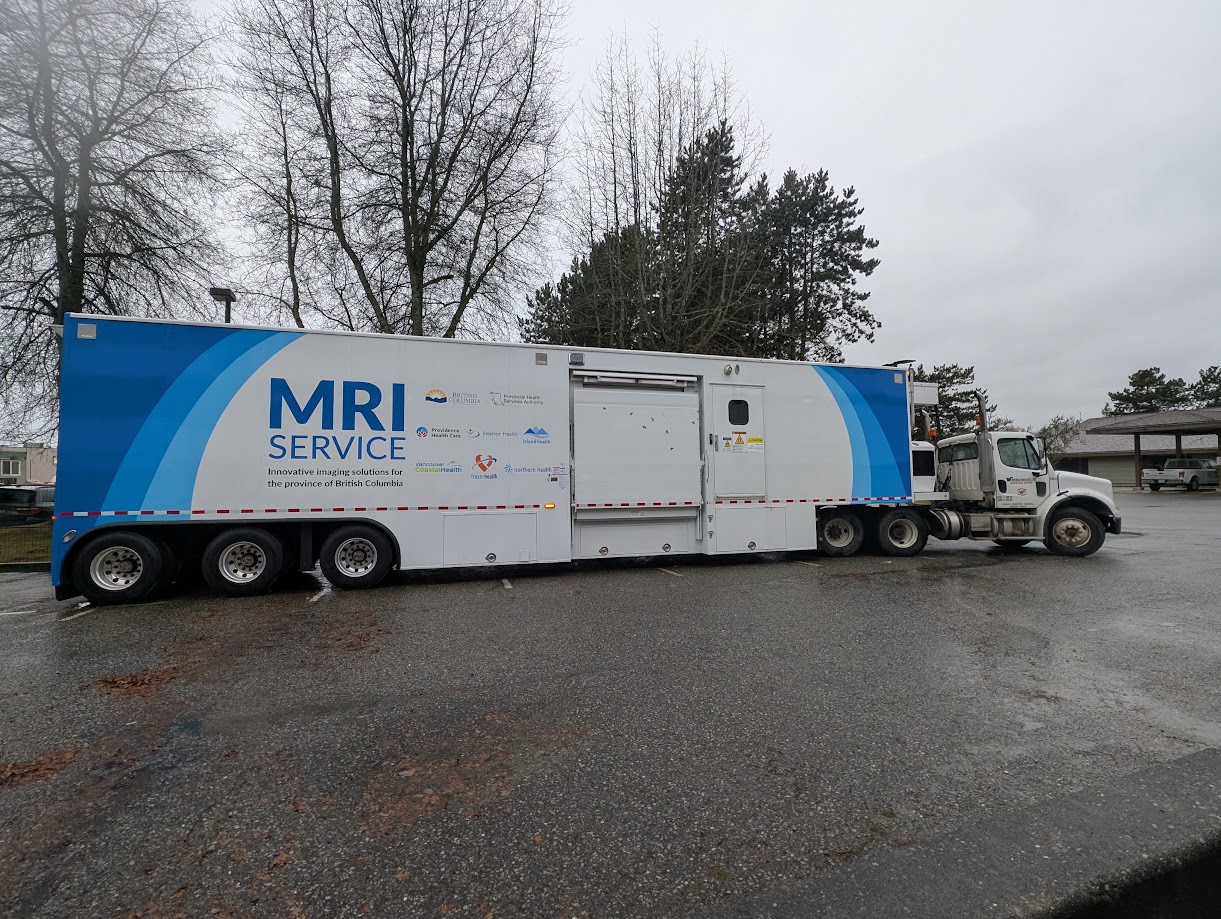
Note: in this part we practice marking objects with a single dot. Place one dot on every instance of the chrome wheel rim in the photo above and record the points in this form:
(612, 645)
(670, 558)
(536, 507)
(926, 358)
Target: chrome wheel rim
(1071, 532)
(356, 557)
(902, 534)
(118, 568)
(242, 562)
(839, 533)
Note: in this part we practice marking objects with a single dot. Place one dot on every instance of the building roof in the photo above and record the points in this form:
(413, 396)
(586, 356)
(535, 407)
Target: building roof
(1180, 421)
(1094, 439)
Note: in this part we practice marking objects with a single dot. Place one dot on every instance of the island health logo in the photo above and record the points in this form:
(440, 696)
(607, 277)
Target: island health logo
(536, 435)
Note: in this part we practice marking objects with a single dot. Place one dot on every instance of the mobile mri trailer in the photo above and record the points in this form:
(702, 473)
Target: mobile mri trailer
(252, 451)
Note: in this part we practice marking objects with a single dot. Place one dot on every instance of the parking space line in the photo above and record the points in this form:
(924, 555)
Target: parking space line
(505, 582)
(84, 612)
(17, 612)
(317, 595)
(668, 571)
(811, 564)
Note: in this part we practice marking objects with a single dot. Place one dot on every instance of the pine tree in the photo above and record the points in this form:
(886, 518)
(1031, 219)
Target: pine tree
(1149, 391)
(957, 406)
(1206, 392)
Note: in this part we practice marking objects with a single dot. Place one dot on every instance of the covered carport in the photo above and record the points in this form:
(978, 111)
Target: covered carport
(1179, 423)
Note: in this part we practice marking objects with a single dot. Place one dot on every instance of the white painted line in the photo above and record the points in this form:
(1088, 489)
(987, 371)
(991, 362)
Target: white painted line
(811, 564)
(315, 597)
(505, 582)
(84, 612)
(668, 571)
(17, 612)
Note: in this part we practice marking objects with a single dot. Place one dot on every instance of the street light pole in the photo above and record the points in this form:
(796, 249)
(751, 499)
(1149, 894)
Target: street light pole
(226, 296)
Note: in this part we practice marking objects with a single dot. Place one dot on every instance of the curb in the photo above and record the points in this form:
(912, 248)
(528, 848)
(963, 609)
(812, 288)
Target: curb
(14, 567)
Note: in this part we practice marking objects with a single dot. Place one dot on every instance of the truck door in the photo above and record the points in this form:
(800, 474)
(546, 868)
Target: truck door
(1017, 463)
(739, 441)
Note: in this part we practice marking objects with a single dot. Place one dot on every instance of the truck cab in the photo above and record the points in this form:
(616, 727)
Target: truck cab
(999, 485)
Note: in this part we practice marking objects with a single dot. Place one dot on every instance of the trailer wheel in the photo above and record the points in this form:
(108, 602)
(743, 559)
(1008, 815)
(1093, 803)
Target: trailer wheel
(902, 532)
(242, 562)
(841, 532)
(356, 557)
(1075, 532)
(117, 567)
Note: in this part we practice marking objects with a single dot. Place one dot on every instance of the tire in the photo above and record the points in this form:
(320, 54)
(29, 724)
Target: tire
(1155, 486)
(902, 532)
(243, 562)
(840, 532)
(1193, 485)
(1074, 532)
(171, 568)
(118, 567)
(1011, 545)
(355, 557)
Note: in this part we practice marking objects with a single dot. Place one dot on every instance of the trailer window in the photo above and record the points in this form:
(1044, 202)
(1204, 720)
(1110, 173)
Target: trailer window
(739, 411)
(922, 463)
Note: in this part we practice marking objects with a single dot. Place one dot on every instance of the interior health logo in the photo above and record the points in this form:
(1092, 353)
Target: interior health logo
(536, 436)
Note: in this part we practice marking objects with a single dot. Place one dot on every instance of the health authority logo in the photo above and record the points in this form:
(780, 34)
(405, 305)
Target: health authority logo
(436, 395)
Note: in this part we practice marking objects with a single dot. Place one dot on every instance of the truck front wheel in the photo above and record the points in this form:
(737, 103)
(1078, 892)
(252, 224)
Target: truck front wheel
(902, 532)
(118, 567)
(356, 556)
(242, 562)
(1075, 532)
(841, 532)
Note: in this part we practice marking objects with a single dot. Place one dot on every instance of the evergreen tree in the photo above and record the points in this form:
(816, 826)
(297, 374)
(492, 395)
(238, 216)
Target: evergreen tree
(957, 406)
(1149, 391)
(1206, 392)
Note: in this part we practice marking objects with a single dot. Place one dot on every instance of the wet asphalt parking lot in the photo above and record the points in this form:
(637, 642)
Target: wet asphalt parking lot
(615, 741)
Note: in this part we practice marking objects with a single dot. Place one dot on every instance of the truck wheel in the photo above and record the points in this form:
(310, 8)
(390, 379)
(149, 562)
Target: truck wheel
(1155, 486)
(1075, 532)
(242, 562)
(117, 567)
(841, 532)
(356, 556)
(902, 532)
(1193, 485)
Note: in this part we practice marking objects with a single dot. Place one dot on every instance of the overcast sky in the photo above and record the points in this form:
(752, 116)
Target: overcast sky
(1044, 177)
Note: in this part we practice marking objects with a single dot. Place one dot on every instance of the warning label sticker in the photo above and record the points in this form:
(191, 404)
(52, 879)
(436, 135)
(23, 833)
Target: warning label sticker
(754, 444)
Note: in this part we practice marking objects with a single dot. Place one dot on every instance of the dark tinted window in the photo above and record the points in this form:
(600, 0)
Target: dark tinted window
(967, 451)
(739, 411)
(922, 463)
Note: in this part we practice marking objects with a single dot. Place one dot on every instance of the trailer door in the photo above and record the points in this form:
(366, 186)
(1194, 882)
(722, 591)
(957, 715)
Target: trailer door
(636, 441)
(736, 423)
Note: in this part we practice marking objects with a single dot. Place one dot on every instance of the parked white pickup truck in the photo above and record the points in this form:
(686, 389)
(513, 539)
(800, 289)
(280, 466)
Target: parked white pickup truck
(1182, 473)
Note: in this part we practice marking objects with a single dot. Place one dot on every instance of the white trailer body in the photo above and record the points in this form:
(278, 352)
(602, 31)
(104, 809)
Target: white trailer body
(389, 451)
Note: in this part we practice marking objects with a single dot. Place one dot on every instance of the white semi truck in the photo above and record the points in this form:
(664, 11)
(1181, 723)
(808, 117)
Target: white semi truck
(247, 452)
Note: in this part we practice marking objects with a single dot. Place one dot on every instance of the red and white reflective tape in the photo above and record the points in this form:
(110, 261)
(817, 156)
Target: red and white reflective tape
(304, 510)
(196, 512)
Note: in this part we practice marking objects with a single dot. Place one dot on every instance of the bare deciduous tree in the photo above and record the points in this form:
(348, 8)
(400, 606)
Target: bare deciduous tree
(106, 144)
(413, 143)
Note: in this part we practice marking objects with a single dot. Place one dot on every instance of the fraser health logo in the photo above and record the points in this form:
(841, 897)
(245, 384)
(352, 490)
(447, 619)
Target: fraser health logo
(484, 463)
